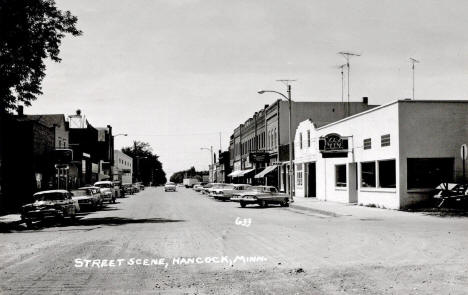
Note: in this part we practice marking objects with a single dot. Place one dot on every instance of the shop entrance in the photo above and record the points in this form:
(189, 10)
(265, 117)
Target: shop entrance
(352, 183)
(310, 178)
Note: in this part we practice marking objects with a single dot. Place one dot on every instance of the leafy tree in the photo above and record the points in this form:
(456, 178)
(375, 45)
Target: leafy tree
(179, 176)
(30, 32)
(146, 165)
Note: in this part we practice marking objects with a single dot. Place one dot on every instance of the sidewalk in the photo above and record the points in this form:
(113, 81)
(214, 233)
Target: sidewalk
(9, 220)
(336, 209)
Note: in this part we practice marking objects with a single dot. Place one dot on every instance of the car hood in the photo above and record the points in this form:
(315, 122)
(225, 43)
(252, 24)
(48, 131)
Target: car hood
(43, 203)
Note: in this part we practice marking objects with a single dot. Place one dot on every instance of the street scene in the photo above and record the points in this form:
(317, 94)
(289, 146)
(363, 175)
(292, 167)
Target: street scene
(233, 147)
(279, 250)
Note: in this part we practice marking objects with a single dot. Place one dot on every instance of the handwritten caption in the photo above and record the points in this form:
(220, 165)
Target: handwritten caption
(163, 262)
(243, 222)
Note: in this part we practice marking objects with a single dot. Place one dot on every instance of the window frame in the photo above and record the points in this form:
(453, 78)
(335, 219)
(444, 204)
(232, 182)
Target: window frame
(341, 184)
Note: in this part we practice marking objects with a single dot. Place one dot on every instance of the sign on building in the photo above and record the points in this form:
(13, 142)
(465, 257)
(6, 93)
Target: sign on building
(333, 145)
(258, 157)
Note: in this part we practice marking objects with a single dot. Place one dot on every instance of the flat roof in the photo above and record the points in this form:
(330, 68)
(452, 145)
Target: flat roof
(387, 105)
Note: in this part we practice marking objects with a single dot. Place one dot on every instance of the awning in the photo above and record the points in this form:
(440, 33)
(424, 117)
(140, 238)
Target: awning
(234, 173)
(243, 172)
(266, 171)
(239, 173)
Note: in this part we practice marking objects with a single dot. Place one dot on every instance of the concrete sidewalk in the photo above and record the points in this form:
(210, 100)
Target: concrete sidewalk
(10, 220)
(345, 209)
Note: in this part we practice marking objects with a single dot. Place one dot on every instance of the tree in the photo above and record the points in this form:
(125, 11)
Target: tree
(146, 165)
(179, 176)
(30, 32)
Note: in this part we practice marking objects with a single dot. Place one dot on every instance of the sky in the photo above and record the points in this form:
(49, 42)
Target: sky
(178, 73)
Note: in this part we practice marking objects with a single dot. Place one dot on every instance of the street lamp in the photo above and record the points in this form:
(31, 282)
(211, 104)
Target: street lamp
(212, 161)
(288, 98)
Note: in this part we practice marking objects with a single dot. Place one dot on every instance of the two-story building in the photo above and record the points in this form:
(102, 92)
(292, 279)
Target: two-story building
(123, 165)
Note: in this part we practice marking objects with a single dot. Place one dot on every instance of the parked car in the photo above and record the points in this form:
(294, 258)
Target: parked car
(226, 192)
(449, 192)
(136, 188)
(107, 191)
(170, 187)
(197, 187)
(207, 187)
(56, 204)
(87, 197)
(261, 195)
(128, 188)
(119, 192)
(140, 185)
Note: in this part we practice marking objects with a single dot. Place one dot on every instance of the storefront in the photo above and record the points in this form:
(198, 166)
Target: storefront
(391, 156)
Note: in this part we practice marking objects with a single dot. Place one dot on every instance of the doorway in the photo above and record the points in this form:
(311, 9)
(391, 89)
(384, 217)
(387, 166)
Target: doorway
(310, 177)
(352, 183)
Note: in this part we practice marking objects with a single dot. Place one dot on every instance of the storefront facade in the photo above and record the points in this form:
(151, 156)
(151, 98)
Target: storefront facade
(391, 156)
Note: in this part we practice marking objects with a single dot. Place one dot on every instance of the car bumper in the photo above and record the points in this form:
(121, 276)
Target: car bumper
(41, 214)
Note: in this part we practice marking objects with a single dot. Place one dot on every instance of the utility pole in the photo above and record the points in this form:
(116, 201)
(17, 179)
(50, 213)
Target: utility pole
(413, 61)
(347, 56)
(291, 167)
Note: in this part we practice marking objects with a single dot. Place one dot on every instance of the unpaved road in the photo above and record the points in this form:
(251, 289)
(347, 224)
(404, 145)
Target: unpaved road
(303, 252)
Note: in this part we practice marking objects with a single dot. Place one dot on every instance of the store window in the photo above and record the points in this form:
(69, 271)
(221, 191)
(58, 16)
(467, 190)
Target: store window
(299, 174)
(429, 172)
(340, 175)
(367, 144)
(387, 174)
(368, 174)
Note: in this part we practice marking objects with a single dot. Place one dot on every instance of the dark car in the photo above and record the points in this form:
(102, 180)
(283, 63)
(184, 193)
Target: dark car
(56, 204)
(261, 195)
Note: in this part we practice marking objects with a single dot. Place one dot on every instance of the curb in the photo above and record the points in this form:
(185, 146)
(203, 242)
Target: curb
(319, 211)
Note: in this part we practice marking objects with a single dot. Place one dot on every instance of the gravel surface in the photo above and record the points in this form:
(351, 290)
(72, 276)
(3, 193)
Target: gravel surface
(187, 243)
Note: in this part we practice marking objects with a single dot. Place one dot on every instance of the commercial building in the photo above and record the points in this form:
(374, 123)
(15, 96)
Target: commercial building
(391, 156)
(123, 167)
(260, 146)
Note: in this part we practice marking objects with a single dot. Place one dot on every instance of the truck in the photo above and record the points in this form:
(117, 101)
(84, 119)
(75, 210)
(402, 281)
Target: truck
(190, 182)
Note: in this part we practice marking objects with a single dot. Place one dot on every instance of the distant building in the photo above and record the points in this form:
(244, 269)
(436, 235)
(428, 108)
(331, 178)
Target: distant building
(260, 146)
(123, 167)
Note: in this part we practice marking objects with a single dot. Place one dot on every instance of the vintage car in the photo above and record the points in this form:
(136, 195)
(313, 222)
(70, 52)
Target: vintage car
(198, 187)
(206, 188)
(88, 197)
(170, 187)
(448, 193)
(128, 189)
(225, 192)
(56, 204)
(136, 187)
(107, 191)
(261, 195)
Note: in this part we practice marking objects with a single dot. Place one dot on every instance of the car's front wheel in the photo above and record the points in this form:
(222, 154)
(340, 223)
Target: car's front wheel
(243, 204)
(284, 203)
(263, 204)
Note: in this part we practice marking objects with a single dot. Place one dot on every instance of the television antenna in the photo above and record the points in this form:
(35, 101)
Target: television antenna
(347, 56)
(413, 61)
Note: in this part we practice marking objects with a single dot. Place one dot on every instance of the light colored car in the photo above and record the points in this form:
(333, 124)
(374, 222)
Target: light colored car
(170, 187)
(197, 187)
(87, 197)
(56, 204)
(261, 195)
(107, 190)
(214, 186)
(225, 193)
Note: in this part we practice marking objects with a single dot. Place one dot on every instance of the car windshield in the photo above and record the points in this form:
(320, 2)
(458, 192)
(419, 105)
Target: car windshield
(81, 192)
(50, 196)
(103, 185)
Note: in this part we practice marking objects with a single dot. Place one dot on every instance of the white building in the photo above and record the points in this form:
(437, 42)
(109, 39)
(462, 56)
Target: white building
(392, 156)
(123, 167)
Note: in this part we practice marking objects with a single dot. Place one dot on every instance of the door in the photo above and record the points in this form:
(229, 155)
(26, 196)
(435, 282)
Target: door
(311, 181)
(352, 183)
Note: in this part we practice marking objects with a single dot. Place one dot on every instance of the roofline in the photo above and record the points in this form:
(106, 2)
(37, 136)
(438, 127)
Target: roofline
(387, 105)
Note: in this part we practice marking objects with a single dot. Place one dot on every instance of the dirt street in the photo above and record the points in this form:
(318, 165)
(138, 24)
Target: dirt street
(187, 243)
